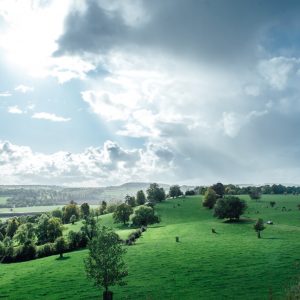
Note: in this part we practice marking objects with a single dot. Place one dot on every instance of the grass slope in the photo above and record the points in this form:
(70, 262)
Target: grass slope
(232, 264)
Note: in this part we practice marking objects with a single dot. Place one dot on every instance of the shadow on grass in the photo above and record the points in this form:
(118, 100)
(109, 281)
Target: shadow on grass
(157, 226)
(62, 258)
(240, 221)
(271, 238)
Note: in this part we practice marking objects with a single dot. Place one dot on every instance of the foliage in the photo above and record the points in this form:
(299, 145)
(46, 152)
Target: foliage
(175, 191)
(102, 207)
(57, 213)
(259, 226)
(219, 189)
(140, 197)
(254, 194)
(84, 210)
(89, 228)
(155, 193)
(24, 233)
(272, 203)
(130, 200)
(70, 210)
(210, 198)
(105, 264)
(190, 193)
(144, 216)
(229, 207)
(122, 213)
(48, 229)
(61, 245)
(12, 227)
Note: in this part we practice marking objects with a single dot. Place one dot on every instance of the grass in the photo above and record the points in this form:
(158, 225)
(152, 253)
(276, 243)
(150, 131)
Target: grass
(232, 264)
(3, 200)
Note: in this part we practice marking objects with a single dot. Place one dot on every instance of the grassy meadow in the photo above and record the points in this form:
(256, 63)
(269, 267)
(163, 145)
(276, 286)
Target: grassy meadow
(232, 264)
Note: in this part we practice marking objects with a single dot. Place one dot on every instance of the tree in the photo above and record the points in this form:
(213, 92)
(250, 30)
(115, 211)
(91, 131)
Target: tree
(155, 193)
(12, 227)
(130, 200)
(210, 198)
(48, 229)
(230, 207)
(69, 210)
(122, 213)
(219, 189)
(254, 194)
(259, 226)
(24, 233)
(175, 191)
(73, 219)
(89, 228)
(144, 216)
(60, 246)
(140, 197)
(105, 264)
(85, 210)
(57, 213)
(102, 207)
(272, 203)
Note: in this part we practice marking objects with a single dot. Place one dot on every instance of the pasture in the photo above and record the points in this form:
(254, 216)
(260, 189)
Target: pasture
(232, 264)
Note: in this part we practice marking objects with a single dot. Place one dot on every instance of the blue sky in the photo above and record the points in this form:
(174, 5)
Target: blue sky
(103, 92)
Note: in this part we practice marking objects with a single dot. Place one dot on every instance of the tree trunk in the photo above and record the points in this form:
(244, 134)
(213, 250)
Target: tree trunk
(107, 295)
(60, 255)
(258, 234)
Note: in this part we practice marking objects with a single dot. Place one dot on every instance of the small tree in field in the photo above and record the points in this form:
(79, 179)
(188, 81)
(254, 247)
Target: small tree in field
(272, 203)
(61, 246)
(105, 264)
(140, 197)
(230, 207)
(259, 226)
(210, 198)
(122, 213)
(175, 191)
(144, 216)
(254, 194)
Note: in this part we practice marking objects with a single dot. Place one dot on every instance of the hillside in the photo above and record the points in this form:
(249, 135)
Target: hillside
(232, 264)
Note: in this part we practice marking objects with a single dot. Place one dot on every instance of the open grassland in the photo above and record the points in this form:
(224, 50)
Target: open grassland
(3, 200)
(233, 264)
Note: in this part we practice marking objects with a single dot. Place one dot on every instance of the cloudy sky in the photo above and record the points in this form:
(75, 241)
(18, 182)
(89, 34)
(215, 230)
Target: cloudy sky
(103, 92)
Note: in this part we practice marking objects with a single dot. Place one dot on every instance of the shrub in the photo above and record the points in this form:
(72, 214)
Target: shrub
(144, 216)
(46, 250)
(25, 252)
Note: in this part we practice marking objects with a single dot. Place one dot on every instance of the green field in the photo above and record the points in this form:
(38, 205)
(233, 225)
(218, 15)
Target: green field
(3, 200)
(232, 264)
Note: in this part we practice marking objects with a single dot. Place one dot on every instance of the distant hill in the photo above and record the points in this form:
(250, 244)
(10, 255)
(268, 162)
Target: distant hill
(37, 195)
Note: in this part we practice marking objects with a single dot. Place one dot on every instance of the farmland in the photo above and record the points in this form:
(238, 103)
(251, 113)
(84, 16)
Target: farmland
(232, 264)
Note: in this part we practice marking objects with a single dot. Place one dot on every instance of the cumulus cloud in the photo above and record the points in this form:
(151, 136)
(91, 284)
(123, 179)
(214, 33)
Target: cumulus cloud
(15, 110)
(110, 164)
(24, 88)
(50, 117)
(5, 94)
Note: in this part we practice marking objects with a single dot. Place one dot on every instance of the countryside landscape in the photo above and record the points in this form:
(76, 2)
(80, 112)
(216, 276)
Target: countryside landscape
(149, 150)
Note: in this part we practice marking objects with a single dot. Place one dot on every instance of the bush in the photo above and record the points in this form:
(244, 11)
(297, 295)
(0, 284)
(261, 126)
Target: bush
(144, 216)
(46, 250)
(25, 252)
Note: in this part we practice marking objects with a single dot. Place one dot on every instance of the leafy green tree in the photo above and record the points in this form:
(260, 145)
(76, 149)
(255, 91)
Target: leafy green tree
(254, 194)
(73, 219)
(230, 207)
(89, 228)
(272, 203)
(103, 207)
(130, 200)
(85, 210)
(105, 264)
(24, 233)
(144, 215)
(122, 213)
(175, 191)
(57, 213)
(219, 189)
(155, 193)
(140, 197)
(259, 226)
(210, 198)
(61, 246)
(12, 227)
(70, 210)
(48, 229)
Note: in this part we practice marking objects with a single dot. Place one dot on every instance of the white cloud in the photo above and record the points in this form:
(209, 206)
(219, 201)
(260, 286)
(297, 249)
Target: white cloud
(50, 117)
(5, 94)
(24, 89)
(14, 110)
(110, 164)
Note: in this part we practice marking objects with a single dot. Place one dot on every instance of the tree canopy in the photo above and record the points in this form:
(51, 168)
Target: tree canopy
(155, 193)
(122, 213)
(229, 207)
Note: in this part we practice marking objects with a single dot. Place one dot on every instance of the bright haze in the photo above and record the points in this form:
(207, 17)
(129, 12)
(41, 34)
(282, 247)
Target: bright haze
(104, 92)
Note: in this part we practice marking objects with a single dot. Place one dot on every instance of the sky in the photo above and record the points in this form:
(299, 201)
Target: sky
(103, 92)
